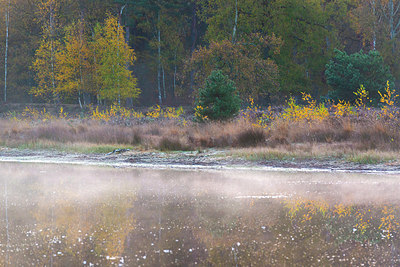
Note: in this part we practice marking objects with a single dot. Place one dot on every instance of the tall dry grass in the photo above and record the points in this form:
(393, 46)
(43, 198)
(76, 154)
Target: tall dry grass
(362, 134)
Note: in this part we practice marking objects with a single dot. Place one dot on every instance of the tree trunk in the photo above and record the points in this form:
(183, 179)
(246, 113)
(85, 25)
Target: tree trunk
(119, 26)
(393, 26)
(79, 99)
(163, 79)
(127, 34)
(391, 19)
(159, 61)
(373, 6)
(235, 25)
(194, 41)
(6, 50)
(175, 71)
(52, 56)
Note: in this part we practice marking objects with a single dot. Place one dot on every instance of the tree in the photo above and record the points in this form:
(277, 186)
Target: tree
(345, 73)
(378, 22)
(7, 15)
(44, 64)
(233, 20)
(44, 68)
(243, 62)
(309, 37)
(367, 21)
(73, 62)
(113, 58)
(218, 100)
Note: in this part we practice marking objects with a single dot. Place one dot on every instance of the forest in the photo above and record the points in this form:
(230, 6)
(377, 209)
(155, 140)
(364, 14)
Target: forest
(147, 52)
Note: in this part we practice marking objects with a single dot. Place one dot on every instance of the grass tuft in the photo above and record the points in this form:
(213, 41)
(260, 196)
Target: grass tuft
(251, 137)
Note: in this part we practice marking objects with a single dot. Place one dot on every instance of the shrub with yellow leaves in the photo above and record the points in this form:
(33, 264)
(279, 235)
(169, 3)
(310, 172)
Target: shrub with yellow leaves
(362, 97)
(198, 114)
(343, 108)
(388, 99)
(309, 112)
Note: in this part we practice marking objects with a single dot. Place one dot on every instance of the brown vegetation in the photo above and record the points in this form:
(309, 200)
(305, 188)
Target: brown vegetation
(166, 135)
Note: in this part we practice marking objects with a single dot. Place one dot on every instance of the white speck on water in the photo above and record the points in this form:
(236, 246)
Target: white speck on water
(238, 244)
(84, 262)
(167, 251)
(144, 257)
(190, 250)
(261, 197)
(263, 227)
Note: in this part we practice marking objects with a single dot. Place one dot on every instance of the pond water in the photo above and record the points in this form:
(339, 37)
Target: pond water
(64, 215)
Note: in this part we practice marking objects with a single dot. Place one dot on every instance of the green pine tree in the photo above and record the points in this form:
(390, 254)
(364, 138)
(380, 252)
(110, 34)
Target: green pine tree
(218, 100)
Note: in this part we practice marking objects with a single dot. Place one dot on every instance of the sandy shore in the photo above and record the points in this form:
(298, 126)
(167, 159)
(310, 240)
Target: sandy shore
(211, 159)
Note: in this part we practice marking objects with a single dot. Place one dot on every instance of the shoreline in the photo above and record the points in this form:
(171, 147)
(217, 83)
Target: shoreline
(208, 160)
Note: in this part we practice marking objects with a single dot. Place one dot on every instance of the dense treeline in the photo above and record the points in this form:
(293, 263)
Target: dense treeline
(159, 51)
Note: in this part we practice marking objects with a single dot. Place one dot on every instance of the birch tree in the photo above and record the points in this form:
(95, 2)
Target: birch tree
(73, 62)
(378, 22)
(7, 20)
(44, 64)
(114, 56)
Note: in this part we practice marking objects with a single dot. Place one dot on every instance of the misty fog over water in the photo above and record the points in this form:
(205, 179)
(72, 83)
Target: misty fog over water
(64, 215)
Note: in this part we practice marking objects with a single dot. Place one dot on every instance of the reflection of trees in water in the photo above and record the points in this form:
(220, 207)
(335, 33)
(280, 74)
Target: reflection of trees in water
(71, 231)
(360, 223)
(299, 232)
(356, 234)
(181, 229)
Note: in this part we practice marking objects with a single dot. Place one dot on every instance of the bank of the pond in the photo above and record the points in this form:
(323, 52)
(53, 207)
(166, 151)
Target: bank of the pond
(251, 159)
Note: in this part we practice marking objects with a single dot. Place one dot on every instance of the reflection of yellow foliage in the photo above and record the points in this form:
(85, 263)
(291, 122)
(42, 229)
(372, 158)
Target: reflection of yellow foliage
(361, 220)
(341, 210)
(388, 221)
(102, 227)
(310, 207)
(116, 224)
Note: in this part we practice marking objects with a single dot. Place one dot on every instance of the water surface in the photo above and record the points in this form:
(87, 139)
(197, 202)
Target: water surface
(64, 215)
